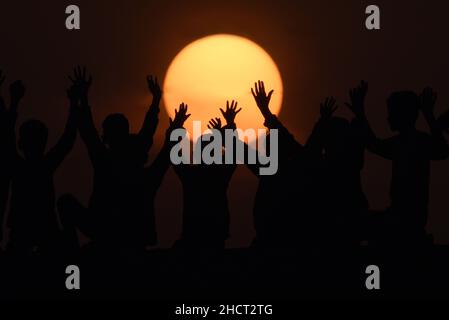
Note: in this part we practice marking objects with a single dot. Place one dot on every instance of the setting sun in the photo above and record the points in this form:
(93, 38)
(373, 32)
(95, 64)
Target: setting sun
(211, 70)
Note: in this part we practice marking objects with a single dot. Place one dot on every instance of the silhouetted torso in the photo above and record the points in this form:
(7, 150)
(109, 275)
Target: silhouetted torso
(284, 201)
(205, 214)
(32, 213)
(279, 206)
(409, 191)
(339, 147)
(122, 201)
(136, 203)
(411, 152)
(136, 207)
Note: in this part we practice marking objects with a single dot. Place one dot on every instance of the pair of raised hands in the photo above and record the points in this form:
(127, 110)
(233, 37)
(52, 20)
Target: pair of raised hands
(229, 115)
(327, 108)
(79, 89)
(260, 96)
(181, 116)
(356, 104)
(81, 83)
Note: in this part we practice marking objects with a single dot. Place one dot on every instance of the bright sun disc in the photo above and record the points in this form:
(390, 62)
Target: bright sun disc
(211, 70)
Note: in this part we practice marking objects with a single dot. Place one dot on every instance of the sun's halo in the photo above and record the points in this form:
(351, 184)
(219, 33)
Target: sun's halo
(209, 71)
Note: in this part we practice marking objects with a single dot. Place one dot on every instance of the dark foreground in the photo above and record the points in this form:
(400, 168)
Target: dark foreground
(237, 275)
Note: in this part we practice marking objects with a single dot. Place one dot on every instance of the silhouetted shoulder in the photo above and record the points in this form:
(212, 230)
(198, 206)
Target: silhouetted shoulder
(420, 137)
(435, 146)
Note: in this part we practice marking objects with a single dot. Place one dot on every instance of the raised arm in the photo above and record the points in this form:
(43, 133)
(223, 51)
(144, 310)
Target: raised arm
(271, 121)
(229, 114)
(17, 92)
(378, 146)
(65, 143)
(439, 147)
(315, 143)
(215, 124)
(151, 118)
(8, 119)
(83, 115)
(160, 165)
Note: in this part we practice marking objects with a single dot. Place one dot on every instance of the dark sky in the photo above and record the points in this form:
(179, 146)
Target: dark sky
(321, 48)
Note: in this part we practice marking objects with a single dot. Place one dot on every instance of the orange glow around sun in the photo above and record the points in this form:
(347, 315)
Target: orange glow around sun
(211, 70)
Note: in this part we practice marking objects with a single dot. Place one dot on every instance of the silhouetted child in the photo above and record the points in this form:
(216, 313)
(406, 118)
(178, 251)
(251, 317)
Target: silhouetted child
(206, 216)
(410, 152)
(32, 219)
(339, 146)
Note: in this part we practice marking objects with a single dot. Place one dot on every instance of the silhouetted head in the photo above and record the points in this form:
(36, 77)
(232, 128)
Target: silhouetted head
(338, 138)
(115, 130)
(403, 109)
(135, 151)
(33, 137)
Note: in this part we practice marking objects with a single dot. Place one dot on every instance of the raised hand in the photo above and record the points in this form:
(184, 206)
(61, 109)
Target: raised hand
(214, 124)
(73, 95)
(16, 91)
(262, 99)
(82, 83)
(180, 117)
(153, 86)
(327, 108)
(231, 112)
(428, 99)
(357, 96)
